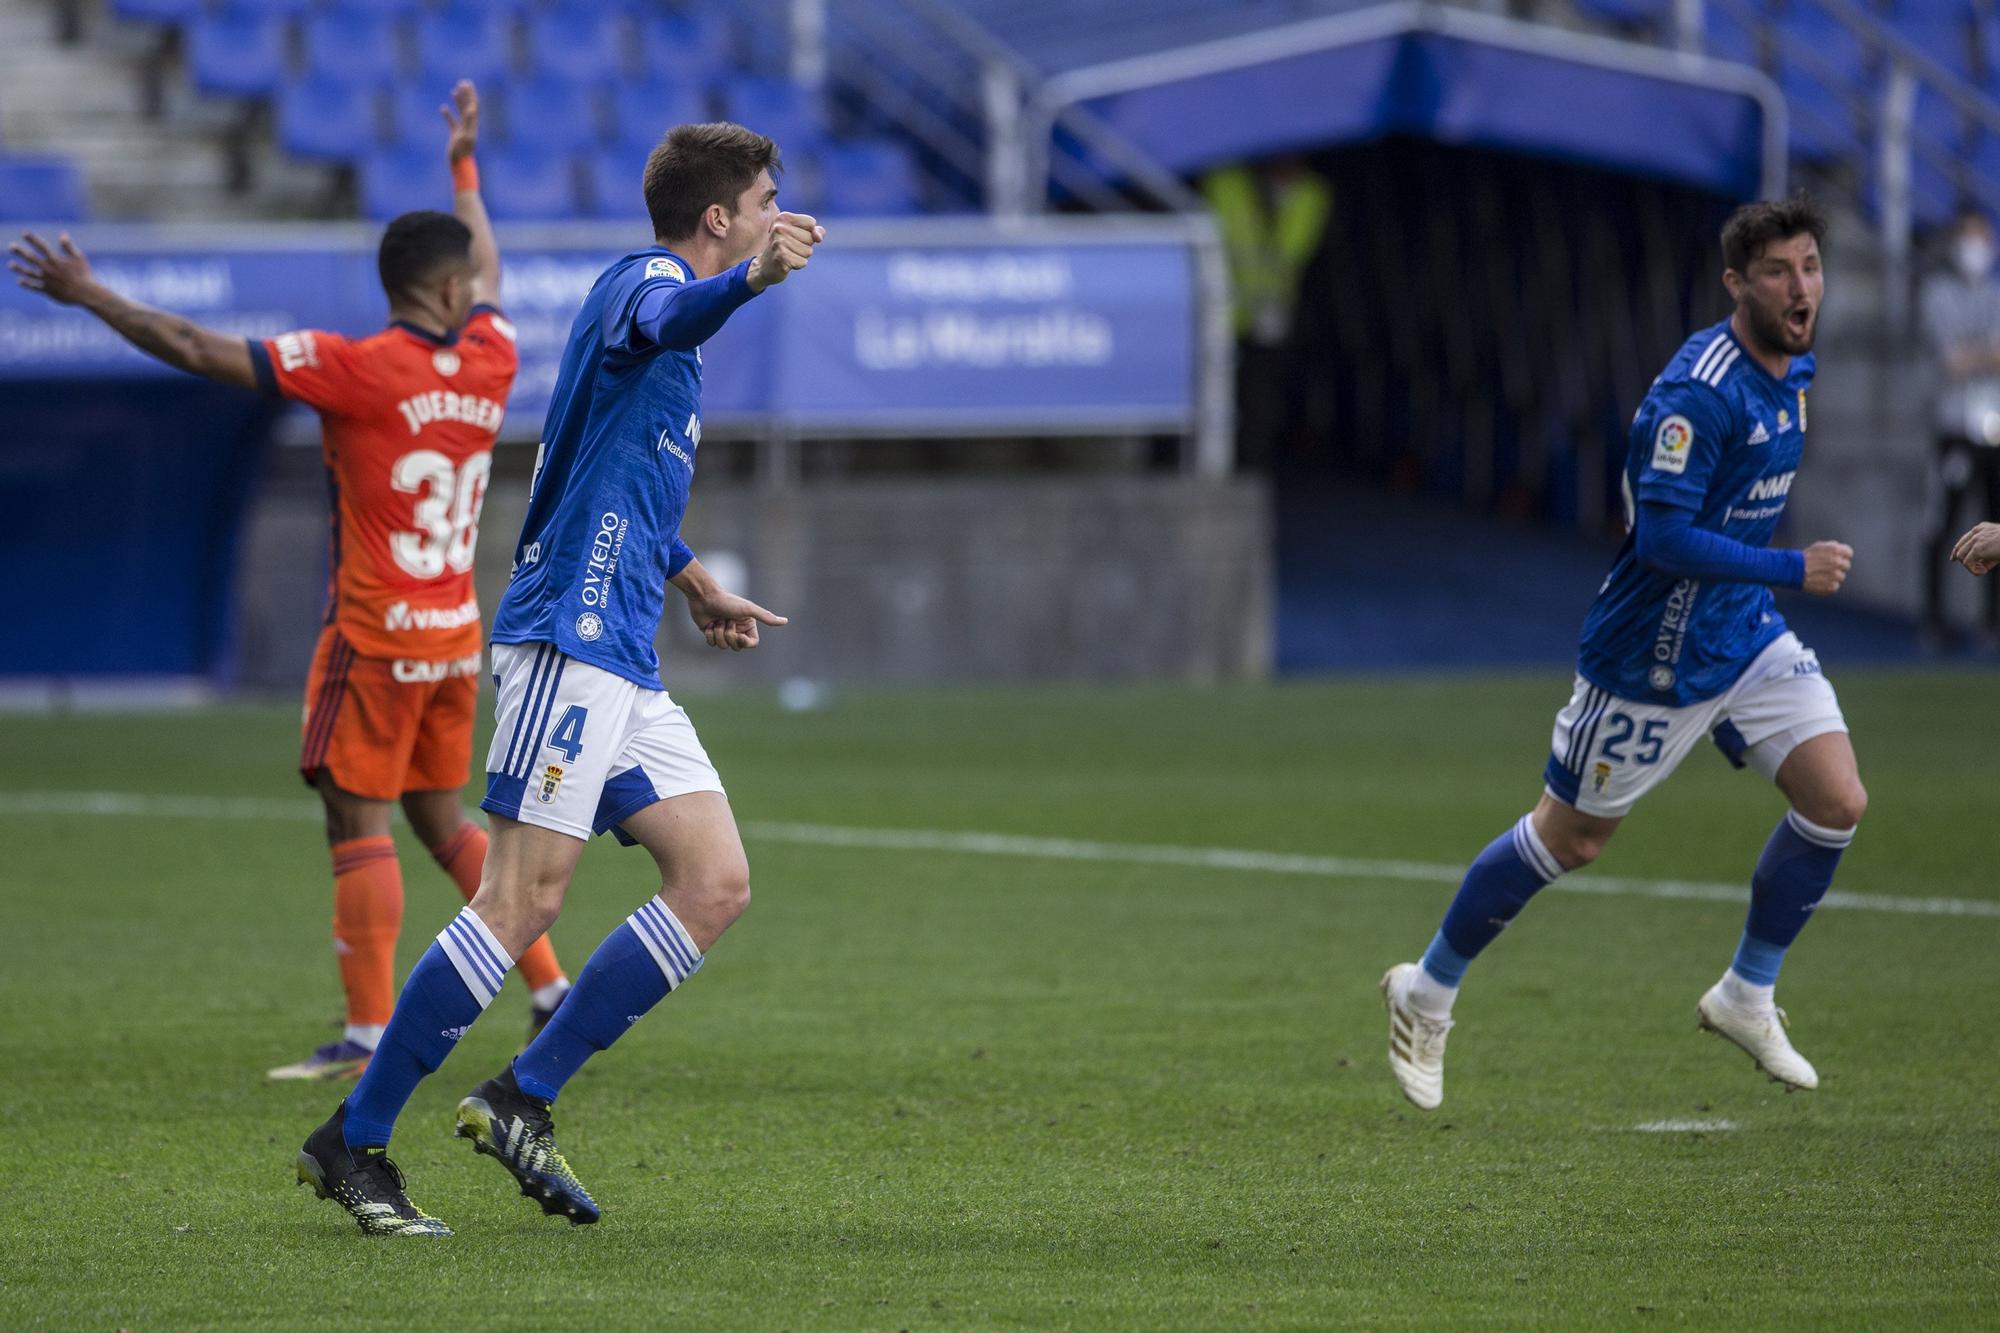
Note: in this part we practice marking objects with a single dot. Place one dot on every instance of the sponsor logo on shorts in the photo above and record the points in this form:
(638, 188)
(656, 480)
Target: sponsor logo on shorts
(552, 777)
(414, 671)
(1661, 678)
(1599, 776)
(589, 626)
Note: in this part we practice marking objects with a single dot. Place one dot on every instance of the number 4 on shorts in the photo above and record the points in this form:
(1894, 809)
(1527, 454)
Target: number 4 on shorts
(568, 735)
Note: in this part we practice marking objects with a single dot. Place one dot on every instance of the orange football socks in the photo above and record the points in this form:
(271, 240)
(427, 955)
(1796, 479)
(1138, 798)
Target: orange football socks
(367, 914)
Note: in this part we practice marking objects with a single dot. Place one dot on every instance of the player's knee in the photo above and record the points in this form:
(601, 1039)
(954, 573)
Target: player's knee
(723, 893)
(1840, 808)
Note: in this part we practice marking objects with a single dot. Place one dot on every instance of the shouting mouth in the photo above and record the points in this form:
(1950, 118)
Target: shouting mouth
(1798, 322)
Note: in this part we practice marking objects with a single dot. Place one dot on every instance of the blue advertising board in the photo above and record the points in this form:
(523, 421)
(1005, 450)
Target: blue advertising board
(1039, 335)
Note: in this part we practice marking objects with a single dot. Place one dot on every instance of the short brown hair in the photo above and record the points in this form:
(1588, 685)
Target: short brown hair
(699, 165)
(1753, 227)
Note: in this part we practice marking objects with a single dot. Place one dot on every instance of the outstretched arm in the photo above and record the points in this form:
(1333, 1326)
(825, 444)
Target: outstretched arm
(1667, 542)
(63, 275)
(684, 316)
(466, 202)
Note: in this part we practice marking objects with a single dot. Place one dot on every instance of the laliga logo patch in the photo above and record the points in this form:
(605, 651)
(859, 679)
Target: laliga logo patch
(446, 361)
(589, 626)
(552, 777)
(665, 268)
(1600, 775)
(1671, 443)
(1661, 678)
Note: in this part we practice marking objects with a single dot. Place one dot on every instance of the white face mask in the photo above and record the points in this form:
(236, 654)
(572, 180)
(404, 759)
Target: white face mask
(1974, 257)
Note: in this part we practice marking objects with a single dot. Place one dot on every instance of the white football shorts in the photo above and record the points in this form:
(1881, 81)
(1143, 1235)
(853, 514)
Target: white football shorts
(579, 750)
(1607, 752)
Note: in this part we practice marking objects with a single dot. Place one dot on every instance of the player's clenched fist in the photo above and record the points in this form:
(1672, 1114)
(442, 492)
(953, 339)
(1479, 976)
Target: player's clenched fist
(789, 247)
(1827, 564)
(1979, 549)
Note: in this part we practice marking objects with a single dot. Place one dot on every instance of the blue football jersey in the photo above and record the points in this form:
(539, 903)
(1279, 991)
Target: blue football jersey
(602, 534)
(1719, 436)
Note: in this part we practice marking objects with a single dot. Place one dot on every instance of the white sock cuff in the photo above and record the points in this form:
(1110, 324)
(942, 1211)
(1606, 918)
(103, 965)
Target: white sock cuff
(667, 940)
(1528, 844)
(482, 964)
(1818, 833)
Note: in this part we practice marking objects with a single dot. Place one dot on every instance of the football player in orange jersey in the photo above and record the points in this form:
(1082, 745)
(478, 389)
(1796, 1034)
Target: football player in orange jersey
(409, 417)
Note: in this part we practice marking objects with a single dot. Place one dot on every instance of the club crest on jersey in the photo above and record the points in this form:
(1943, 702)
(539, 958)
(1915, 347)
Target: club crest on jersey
(665, 268)
(1599, 776)
(1661, 678)
(552, 777)
(589, 626)
(445, 361)
(1784, 421)
(1672, 443)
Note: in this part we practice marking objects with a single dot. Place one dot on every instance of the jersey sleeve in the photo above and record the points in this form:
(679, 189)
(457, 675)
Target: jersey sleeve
(1678, 445)
(491, 336)
(312, 366)
(654, 306)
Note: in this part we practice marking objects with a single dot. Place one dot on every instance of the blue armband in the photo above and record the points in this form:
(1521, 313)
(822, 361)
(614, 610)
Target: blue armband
(1667, 542)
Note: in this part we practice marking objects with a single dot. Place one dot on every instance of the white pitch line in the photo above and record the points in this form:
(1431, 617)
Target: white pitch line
(1010, 844)
(1685, 1126)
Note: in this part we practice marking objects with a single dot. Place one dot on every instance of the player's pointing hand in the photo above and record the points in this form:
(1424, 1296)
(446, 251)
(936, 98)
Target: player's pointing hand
(788, 248)
(1979, 549)
(729, 621)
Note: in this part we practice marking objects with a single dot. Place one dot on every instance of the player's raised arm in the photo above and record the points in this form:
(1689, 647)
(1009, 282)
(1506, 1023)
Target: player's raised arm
(63, 275)
(461, 118)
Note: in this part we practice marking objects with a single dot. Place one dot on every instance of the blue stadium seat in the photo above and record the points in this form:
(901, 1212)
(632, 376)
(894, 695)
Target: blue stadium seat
(578, 42)
(528, 184)
(354, 44)
(413, 109)
(158, 11)
(1934, 191)
(777, 108)
(328, 118)
(641, 113)
(613, 178)
(41, 189)
(1629, 11)
(1944, 36)
(403, 178)
(1726, 39)
(869, 177)
(689, 47)
(387, 8)
(546, 111)
(1822, 68)
(237, 52)
(464, 42)
(285, 9)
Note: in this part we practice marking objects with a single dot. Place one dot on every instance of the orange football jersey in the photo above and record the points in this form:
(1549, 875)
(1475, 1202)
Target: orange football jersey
(408, 424)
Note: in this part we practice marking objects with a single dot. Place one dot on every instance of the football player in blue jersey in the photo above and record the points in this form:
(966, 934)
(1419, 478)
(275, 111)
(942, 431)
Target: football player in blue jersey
(588, 739)
(1683, 643)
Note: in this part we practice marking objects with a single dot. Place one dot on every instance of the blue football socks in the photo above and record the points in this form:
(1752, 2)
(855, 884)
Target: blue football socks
(638, 965)
(1511, 870)
(1792, 876)
(449, 988)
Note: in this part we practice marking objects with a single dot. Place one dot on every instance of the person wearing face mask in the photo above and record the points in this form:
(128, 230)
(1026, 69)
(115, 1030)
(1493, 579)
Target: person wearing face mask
(1961, 322)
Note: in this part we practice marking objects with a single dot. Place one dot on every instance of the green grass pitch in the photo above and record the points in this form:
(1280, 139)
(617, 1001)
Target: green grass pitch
(924, 1089)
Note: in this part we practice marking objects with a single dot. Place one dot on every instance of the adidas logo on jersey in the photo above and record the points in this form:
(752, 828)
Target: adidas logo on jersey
(1759, 435)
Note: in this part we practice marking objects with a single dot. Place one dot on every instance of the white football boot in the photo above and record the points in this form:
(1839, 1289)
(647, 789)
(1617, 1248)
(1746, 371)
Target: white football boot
(1416, 1041)
(1760, 1032)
